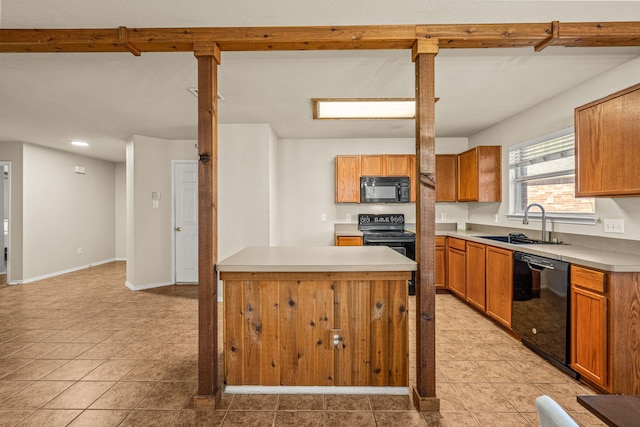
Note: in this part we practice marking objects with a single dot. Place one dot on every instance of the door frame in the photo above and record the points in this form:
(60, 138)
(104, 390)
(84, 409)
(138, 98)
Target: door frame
(174, 163)
(7, 210)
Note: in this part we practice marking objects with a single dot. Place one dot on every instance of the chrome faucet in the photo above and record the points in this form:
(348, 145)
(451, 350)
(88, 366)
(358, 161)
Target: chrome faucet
(525, 220)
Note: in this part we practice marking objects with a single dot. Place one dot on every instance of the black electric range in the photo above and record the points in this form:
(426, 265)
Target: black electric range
(389, 230)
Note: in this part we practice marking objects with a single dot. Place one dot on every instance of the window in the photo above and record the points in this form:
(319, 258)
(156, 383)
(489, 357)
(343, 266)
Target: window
(543, 171)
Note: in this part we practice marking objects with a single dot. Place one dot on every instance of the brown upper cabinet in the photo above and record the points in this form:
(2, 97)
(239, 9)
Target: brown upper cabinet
(479, 172)
(606, 134)
(446, 177)
(347, 179)
(372, 165)
(398, 164)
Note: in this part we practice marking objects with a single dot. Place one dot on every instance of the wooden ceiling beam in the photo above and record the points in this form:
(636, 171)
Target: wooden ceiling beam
(597, 34)
(284, 38)
(470, 36)
(461, 36)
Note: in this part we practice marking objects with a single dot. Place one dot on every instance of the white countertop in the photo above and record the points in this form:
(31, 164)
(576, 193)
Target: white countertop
(316, 259)
(588, 257)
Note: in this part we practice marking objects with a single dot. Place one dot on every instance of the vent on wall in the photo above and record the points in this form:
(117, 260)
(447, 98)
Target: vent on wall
(194, 91)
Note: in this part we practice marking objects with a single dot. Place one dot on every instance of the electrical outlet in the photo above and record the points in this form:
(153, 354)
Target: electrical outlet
(443, 217)
(613, 225)
(495, 218)
(347, 217)
(323, 217)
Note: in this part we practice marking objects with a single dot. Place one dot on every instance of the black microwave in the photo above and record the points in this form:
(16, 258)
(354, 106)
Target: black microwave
(384, 189)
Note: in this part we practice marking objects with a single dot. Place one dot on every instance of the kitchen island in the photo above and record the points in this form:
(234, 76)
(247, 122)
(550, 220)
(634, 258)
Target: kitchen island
(316, 316)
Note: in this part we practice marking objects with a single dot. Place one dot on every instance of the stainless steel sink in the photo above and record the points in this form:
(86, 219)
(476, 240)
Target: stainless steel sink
(519, 239)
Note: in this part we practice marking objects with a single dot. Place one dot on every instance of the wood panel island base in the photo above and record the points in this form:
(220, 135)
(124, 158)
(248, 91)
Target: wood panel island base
(316, 316)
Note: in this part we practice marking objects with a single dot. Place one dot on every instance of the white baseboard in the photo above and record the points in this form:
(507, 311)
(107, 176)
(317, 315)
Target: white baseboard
(258, 389)
(147, 286)
(59, 273)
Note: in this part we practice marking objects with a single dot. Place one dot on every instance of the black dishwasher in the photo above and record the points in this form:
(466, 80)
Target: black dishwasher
(541, 307)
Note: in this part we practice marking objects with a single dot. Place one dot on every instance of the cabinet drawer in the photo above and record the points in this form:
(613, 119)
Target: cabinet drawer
(348, 241)
(588, 279)
(440, 241)
(459, 244)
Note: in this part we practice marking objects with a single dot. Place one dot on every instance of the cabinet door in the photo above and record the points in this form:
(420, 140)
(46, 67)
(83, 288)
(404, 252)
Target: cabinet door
(348, 179)
(475, 291)
(606, 131)
(372, 165)
(456, 271)
(499, 277)
(440, 263)
(467, 169)
(480, 174)
(348, 241)
(446, 177)
(397, 164)
(589, 333)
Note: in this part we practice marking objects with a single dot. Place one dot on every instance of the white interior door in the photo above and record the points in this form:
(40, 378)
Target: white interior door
(185, 177)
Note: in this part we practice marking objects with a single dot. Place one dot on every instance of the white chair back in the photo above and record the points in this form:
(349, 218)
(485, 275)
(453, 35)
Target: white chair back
(551, 414)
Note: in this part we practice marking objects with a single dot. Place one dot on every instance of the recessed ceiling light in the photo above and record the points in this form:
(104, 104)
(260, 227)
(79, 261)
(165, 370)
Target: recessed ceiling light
(80, 143)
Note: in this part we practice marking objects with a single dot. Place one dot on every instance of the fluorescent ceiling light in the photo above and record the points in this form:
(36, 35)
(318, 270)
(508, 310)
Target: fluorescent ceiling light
(80, 143)
(363, 108)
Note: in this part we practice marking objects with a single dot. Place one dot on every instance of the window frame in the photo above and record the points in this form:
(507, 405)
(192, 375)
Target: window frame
(535, 214)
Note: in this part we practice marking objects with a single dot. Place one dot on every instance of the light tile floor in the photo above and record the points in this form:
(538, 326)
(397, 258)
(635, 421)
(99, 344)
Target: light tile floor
(83, 350)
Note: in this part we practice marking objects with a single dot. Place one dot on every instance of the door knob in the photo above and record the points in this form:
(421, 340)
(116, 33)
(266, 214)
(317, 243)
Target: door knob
(178, 228)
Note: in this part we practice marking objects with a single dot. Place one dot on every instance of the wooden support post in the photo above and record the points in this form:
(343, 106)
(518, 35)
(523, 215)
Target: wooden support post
(208, 389)
(424, 52)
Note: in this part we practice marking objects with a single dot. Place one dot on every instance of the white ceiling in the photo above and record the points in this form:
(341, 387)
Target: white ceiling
(51, 99)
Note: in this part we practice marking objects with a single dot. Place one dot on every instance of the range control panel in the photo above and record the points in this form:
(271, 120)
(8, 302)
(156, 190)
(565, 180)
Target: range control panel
(381, 222)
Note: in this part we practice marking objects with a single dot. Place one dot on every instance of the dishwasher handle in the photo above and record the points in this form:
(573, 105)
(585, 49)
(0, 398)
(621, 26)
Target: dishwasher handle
(534, 262)
(538, 267)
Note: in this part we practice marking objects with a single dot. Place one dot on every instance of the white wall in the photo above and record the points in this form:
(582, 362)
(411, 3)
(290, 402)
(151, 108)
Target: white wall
(306, 186)
(555, 114)
(149, 230)
(121, 211)
(245, 179)
(64, 211)
(245, 187)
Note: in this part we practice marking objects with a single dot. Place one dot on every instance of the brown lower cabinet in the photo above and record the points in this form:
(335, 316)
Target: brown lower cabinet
(316, 329)
(476, 271)
(482, 275)
(605, 329)
(441, 267)
(499, 278)
(456, 266)
(589, 324)
(348, 241)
